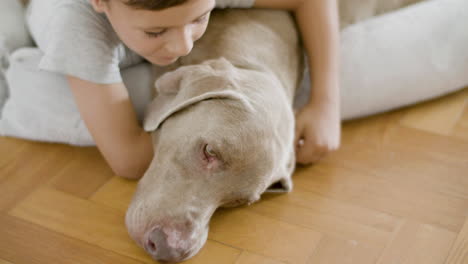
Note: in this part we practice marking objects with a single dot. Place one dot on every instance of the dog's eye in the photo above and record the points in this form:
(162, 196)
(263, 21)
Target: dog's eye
(209, 152)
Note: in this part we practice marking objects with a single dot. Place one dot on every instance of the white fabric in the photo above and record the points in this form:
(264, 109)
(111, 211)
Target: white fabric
(13, 35)
(403, 57)
(78, 41)
(13, 32)
(3, 66)
(407, 56)
(41, 106)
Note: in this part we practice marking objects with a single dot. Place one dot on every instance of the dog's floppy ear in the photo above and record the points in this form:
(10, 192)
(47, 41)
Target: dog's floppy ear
(189, 85)
(281, 181)
(171, 82)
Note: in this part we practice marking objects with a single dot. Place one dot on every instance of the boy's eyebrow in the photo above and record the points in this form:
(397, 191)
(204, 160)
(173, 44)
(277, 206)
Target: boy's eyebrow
(162, 28)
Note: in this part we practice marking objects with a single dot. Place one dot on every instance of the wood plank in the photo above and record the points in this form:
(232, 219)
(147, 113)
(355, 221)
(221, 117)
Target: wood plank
(24, 243)
(97, 225)
(16, 156)
(384, 131)
(9, 149)
(264, 236)
(215, 253)
(83, 181)
(251, 258)
(461, 129)
(370, 130)
(417, 169)
(405, 140)
(63, 213)
(415, 242)
(32, 167)
(447, 149)
(332, 250)
(381, 194)
(438, 116)
(459, 251)
(116, 193)
(328, 216)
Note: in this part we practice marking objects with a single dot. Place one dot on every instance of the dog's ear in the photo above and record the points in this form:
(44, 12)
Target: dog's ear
(281, 182)
(171, 82)
(189, 85)
(282, 186)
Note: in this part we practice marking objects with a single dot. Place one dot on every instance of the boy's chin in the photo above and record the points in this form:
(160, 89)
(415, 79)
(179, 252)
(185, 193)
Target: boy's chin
(162, 61)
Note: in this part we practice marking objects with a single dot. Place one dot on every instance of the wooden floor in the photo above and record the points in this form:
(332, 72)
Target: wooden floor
(395, 193)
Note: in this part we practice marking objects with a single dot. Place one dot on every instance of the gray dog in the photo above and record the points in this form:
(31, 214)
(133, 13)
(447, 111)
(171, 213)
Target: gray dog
(223, 128)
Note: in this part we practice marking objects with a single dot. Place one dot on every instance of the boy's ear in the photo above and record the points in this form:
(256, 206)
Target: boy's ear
(99, 6)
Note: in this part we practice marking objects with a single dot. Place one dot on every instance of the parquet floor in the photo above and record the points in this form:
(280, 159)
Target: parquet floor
(395, 193)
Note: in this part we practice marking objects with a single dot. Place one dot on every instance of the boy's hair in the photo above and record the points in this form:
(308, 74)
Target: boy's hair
(153, 4)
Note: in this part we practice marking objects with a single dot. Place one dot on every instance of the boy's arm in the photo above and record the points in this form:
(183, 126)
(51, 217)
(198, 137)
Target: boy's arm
(111, 119)
(319, 25)
(319, 122)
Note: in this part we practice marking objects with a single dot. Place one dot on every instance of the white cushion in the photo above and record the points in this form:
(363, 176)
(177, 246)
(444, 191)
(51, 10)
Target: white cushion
(41, 106)
(13, 30)
(404, 57)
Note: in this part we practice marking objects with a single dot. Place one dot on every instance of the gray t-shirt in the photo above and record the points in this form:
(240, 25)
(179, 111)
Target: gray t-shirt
(80, 42)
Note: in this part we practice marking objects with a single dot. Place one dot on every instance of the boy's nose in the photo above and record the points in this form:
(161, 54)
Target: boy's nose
(182, 42)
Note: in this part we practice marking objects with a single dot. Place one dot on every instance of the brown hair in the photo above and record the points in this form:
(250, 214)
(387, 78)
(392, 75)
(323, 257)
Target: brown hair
(153, 4)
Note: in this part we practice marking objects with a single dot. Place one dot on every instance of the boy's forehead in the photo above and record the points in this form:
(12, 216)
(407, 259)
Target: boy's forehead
(170, 17)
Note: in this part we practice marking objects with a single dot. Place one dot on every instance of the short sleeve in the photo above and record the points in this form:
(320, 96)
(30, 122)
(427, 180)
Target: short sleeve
(81, 43)
(234, 3)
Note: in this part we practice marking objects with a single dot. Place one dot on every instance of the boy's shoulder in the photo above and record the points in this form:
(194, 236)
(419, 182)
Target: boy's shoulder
(78, 41)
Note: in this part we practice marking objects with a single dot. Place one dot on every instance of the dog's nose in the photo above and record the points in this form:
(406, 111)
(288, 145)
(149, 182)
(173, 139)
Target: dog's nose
(158, 246)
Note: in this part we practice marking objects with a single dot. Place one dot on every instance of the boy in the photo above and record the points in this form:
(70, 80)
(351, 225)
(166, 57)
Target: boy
(91, 40)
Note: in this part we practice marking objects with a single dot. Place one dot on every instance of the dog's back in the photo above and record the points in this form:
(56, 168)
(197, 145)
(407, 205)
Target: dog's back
(234, 35)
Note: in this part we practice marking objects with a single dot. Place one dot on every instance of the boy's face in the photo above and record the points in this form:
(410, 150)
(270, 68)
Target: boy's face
(160, 36)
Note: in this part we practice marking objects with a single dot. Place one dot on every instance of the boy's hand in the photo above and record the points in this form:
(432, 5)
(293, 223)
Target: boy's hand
(318, 131)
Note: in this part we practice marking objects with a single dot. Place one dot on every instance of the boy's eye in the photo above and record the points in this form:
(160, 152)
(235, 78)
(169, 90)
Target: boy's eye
(202, 19)
(154, 34)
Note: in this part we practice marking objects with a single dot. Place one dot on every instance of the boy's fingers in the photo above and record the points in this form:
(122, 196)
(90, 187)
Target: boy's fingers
(303, 152)
(298, 136)
(307, 154)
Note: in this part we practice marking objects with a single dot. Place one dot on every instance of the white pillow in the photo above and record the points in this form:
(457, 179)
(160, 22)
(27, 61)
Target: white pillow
(13, 31)
(13, 35)
(403, 57)
(41, 107)
(3, 66)
(400, 58)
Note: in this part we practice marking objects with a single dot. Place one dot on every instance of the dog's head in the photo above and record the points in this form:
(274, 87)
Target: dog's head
(216, 145)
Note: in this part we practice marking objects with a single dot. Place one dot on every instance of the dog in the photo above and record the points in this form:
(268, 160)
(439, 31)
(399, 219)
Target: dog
(223, 130)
